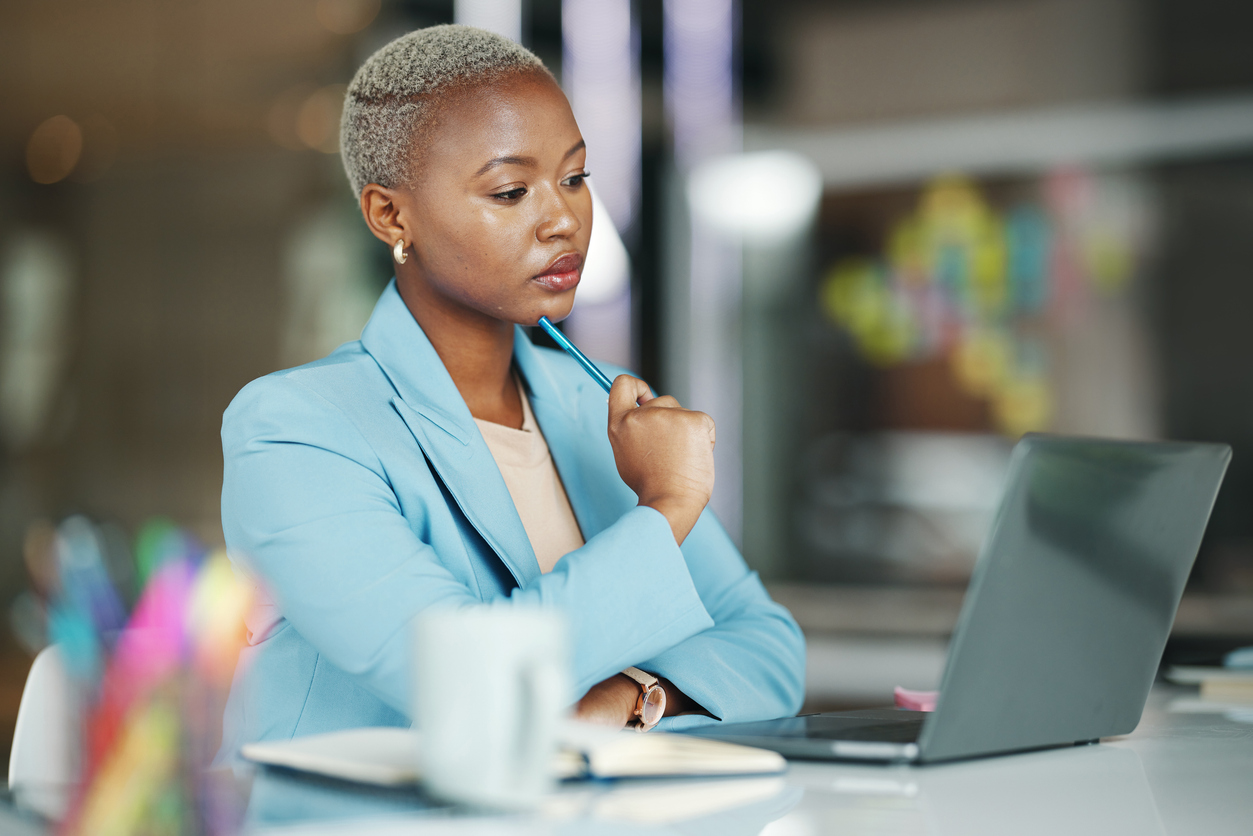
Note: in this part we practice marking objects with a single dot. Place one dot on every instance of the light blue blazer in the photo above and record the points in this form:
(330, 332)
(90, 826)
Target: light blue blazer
(359, 491)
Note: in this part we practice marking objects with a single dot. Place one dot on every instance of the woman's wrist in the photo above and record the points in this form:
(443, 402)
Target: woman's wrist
(629, 694)
(610, 702)
(682, 514)
(678, 702)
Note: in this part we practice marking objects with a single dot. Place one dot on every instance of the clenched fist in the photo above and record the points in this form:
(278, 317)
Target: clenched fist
(664, 453)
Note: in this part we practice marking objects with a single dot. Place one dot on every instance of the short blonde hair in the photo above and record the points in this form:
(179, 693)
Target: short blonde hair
(392, 97)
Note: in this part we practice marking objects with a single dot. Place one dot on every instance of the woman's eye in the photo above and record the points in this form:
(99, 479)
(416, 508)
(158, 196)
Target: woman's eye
(576, 180)
(511, 194)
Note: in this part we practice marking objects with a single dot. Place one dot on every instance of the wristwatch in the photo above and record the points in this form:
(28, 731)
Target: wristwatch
(650, 707)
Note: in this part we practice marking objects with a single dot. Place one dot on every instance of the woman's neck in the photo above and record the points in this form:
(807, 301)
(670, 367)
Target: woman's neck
(476, 350)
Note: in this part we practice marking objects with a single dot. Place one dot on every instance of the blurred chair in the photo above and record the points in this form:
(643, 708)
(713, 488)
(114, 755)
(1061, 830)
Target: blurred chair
(43, 764)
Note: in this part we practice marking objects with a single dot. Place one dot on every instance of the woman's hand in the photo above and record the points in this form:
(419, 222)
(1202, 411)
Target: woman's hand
(664, 453)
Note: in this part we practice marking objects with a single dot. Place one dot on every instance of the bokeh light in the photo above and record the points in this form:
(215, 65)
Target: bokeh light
(763, 197)
(37, 285)
(54, 149)
(986, 287)
(317, 120)
(281, 118)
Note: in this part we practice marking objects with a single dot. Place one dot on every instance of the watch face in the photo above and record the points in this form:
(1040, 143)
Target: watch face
(654, 706)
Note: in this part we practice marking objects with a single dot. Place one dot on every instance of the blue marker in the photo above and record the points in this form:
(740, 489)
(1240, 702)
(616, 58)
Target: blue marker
(573, 351)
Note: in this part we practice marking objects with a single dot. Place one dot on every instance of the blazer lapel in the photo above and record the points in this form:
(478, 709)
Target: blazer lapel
(428, 402)
(575, 434)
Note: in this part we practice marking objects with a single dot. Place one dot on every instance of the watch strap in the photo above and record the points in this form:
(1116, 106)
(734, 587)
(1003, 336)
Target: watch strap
(645, 679)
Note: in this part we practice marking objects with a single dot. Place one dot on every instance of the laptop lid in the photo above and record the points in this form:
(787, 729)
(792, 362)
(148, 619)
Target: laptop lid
(1074, 593)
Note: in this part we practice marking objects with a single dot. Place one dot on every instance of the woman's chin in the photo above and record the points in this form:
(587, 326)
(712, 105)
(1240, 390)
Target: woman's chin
(555, 309)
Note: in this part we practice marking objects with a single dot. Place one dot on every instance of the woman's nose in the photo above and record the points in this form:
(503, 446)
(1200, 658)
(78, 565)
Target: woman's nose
(559, 220)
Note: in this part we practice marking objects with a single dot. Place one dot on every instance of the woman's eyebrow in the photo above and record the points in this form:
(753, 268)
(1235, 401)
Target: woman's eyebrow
(529, 162)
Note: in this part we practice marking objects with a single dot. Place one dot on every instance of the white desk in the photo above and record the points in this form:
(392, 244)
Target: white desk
(1177, 774)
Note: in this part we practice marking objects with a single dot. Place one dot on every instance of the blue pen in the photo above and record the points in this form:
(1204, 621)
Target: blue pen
(573, 351)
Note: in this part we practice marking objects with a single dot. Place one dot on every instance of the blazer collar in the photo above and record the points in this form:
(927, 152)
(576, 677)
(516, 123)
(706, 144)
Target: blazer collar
(428, 402)
(574, 422)
(401, 348)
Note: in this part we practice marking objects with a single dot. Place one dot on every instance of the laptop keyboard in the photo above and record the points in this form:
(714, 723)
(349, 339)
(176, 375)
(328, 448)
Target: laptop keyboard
(883, 725)
(905, 730)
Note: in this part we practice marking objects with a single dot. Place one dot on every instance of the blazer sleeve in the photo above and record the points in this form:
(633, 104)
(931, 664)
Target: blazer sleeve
(751, 664)
(307, 505)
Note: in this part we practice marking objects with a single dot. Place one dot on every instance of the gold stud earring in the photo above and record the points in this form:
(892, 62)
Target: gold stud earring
(398, 252)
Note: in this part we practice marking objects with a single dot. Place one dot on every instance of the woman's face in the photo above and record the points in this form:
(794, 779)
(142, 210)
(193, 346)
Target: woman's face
(500, 216)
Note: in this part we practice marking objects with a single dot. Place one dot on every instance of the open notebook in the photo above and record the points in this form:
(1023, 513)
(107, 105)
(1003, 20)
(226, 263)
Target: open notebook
(387, 756)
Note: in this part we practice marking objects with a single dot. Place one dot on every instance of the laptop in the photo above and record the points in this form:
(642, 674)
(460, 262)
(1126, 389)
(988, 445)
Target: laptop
(1065, 618)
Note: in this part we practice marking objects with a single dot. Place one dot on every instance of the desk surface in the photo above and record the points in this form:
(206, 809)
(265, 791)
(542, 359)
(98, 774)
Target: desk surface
(1179, 773)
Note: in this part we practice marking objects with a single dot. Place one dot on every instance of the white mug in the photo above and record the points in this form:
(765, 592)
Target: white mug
(492, 686)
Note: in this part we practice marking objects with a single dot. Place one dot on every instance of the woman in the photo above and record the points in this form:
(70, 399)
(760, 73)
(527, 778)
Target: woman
(443, 459)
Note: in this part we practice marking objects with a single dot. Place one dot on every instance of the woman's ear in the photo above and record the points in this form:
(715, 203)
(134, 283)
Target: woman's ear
(381, 210)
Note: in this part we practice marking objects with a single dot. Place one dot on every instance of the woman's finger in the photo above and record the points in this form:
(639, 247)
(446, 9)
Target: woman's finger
(665, 402)
(627, 391)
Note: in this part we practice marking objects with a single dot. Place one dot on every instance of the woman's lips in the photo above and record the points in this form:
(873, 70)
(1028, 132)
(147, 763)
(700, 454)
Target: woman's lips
(562, 274)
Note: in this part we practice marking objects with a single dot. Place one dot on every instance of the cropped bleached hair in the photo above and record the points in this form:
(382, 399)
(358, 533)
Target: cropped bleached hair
(391, 99)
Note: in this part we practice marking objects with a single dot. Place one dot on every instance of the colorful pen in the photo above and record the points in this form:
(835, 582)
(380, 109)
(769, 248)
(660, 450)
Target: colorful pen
(573, 351)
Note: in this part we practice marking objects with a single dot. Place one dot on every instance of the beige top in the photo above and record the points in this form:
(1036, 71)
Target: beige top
(531, 477)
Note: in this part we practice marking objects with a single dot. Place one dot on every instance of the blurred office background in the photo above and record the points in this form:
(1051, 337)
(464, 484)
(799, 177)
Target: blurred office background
(877, 240)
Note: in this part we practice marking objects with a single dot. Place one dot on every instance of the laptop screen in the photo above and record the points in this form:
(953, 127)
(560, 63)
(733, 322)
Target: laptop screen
(1074, 594)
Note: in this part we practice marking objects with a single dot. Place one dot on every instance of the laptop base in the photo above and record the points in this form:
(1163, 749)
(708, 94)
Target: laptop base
(883, 735)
